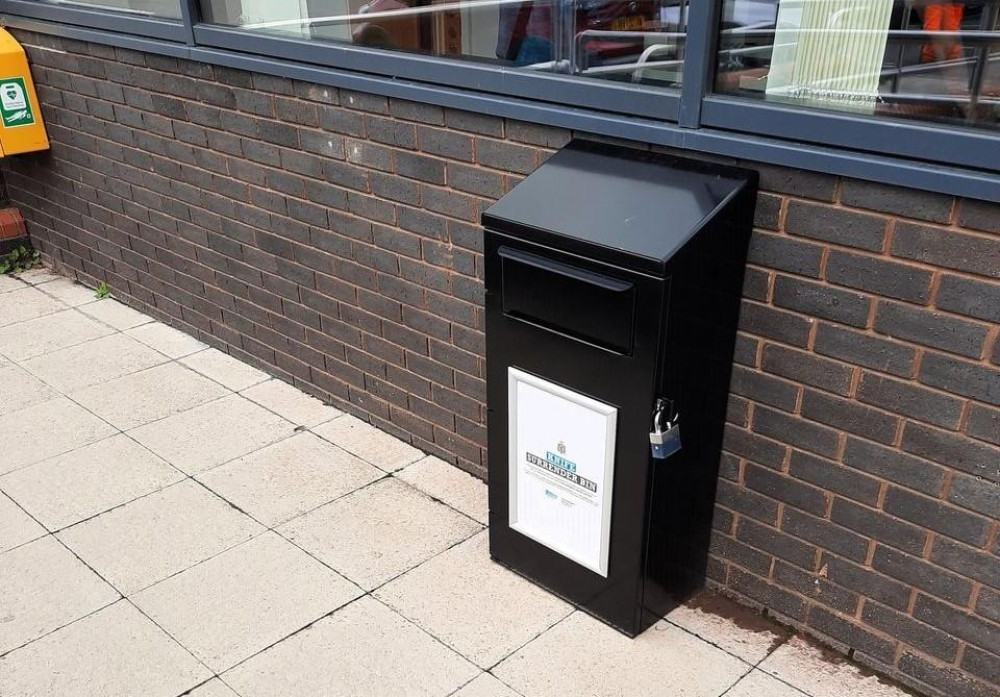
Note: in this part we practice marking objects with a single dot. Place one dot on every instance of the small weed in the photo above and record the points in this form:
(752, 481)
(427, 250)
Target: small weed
(19, 259)
(102, 291)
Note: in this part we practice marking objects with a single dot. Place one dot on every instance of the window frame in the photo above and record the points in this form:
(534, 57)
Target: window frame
(565, 90)
(948, 151)
(123, 22)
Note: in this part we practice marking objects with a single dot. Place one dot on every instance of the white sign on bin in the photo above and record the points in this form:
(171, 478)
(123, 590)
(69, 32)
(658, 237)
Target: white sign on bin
(562, 458)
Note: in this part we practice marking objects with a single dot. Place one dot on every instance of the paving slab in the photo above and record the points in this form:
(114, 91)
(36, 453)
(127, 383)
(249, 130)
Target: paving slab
(45, 430)
(71, 487)
(148, 395)
(94, 362)
(379, 532)
(213, 688)
(157, 536)
(367, 442)
(49, 333)
(486, 686)
(71, 293)
(167, 340)
(289, 478)
(362, 650)
(291, 403)
(20, 389)
(38, 275)
(760, 684)
(450, 485)
(45, 587)
(822, 673)
(240, 602)
(224, 369)
(116, 651)
(477, 607)
(25, 303)
(16, 526)
(9, 283)
(115, 314)
(583, 656)
(213, 433)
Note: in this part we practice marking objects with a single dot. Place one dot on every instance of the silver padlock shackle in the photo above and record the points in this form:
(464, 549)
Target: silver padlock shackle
(661, 411)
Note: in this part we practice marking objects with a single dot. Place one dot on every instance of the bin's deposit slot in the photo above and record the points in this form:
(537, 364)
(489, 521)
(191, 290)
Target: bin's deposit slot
(567, 299)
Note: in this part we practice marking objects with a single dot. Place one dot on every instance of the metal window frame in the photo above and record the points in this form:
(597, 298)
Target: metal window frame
(151, 27)
(632, 99)
(920, 140)
(926, 156)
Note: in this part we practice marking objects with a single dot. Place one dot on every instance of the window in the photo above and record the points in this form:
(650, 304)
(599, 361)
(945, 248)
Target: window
(931, 60)
(627, 41)
(165, 9)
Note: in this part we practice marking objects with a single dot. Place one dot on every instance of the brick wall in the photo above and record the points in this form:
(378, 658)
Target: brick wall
(331, 237)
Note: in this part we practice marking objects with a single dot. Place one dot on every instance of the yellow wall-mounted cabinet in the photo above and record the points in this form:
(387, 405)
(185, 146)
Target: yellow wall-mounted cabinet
(21, 126)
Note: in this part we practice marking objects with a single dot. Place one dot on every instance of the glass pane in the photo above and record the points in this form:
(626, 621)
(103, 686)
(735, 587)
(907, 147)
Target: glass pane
(919, 59)
(638, 41)
(162, 9)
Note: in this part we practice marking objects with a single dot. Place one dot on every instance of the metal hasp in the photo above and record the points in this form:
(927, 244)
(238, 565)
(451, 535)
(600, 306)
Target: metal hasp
(21, 126)
(614, 276)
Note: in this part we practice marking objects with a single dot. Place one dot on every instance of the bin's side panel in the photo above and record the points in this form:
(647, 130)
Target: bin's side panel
(697, 358)
(621, 379)
(21, 127)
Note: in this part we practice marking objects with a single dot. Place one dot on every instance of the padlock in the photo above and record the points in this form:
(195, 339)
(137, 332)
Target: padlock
(665, 436)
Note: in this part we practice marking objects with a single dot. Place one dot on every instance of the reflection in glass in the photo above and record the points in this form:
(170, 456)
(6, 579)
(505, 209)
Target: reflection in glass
(922, 59)
(638, 41)
(162, 9)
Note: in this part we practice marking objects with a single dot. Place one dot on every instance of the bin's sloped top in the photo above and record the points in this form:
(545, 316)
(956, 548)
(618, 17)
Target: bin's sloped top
(614, 203)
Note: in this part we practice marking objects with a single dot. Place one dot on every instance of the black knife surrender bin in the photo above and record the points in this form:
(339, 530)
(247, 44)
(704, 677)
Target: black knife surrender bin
(613, 284)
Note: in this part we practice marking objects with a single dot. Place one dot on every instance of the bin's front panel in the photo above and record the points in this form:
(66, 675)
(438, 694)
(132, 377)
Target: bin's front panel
(577, 340)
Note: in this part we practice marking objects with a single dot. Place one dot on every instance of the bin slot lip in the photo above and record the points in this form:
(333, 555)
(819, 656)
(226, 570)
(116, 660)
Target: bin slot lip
(572, 301)
(563, 269)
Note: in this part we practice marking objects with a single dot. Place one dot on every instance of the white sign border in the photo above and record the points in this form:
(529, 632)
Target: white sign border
(610, 414)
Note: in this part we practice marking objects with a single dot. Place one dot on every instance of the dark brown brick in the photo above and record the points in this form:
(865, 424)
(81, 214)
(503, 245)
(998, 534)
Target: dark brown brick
(777, 543)
(764, 388)
(775, 324)
(786, 254)
(894, 466)
(820, 300)
(852, 634)
(949, 248)
(830, 476)
(969, 297)
(866, 582)
(877, 275)
(936, 515)
(912, 633)
(946, 679)
(836, 225)
(824, 535)
(951, 450)
(909, 399)
(878, 526)
(898, 201)
(969, 379)
(920, 574)
(865, 350)
(849, 416)
(932, 329)
(961, 624)
(786, 489)
(808, 368)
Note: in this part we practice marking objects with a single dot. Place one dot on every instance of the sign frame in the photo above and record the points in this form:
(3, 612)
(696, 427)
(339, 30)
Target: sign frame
(609, 414)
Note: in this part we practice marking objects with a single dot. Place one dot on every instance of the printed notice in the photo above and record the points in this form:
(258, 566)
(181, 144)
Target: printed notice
(562, 447)
(15, 108)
